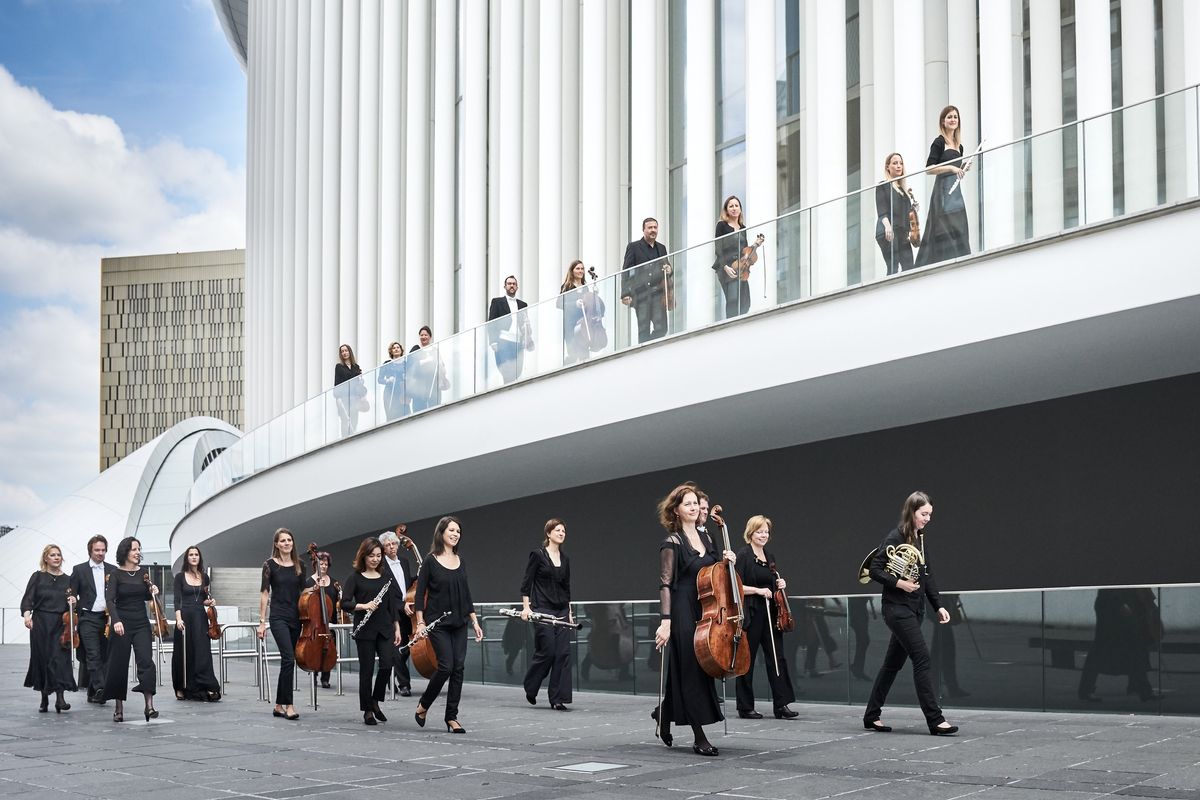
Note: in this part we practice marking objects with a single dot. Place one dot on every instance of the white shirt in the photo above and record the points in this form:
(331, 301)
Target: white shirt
(511, 332)
(98, 577)
(397, 567)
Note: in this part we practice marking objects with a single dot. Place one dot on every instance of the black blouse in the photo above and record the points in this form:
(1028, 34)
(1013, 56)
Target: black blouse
(896, 596)
(342, 373)
(672, 554)
(285, 586)
(188, 596)
(46, 592)
(361, 589)
(127, 596)
(546, 585)
(730, 246)
(894, 205)
(447, 589)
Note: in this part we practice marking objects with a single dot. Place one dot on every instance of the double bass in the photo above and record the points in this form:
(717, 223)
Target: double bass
(590, 335)
(420, 648)
(719, 638)
(316, 650)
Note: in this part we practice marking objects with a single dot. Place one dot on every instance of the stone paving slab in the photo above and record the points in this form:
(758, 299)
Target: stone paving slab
(236, 749)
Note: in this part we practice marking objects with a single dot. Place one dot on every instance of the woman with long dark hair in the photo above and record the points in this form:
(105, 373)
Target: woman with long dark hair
(192, 647)
(377, 602)
(42, 606)
(903, 608)
(442, 587)
(689, 694)
(350, 392)
(947, 233)
(127, 592)
(546, 589)
(282, 581)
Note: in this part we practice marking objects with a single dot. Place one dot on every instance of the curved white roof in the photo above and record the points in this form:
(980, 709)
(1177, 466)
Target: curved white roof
(234, 16)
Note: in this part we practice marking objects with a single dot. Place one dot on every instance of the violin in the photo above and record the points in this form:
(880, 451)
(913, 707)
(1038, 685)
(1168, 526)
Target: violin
(214, 627)
(161, 628)
(668, 287)
(316, 651)
(914, 221)
(718, 640)
(421, 649)
(783, 619)
(748, 258)
(69, 640)
(590, 335)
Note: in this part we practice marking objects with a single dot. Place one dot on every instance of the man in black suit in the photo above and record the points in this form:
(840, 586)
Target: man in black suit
(509, 338)
(646, 281)
(87, 582)
(405, 577)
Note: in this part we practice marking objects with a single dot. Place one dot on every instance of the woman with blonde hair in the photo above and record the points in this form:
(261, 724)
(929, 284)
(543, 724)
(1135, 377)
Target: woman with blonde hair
(756, 566)
(42, 607)
(893, 202)
(731, 247)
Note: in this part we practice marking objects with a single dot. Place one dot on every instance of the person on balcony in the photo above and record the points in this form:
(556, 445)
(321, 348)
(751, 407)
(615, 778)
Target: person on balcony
(509, 331)
(391, 378)
(893, 203)
(647, 284)
(947, 234)
(350, 393)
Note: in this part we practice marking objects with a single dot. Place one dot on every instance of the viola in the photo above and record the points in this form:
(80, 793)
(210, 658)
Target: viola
(718, 640)
(69, 640)
(749, 258)
(316, 650)
(214, 627)
(783, 619)
(914, 221)
(161, 628)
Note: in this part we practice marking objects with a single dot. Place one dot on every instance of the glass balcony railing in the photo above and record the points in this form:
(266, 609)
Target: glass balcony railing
(1132, 160)
(1113, 649)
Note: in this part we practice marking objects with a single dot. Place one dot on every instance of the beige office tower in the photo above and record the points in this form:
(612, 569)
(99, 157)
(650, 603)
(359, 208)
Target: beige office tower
(170, 344)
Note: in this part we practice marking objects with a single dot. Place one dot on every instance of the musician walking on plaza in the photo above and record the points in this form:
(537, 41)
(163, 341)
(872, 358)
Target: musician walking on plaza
(401, 569)
(903, 606)
(689, 694)
(87, 584)
(756, 567)
(377, 600)
(332, 589)
(546, 589)
(127, 593)
(47, 598)
(282, 581)
(442, 587)
(191, 654)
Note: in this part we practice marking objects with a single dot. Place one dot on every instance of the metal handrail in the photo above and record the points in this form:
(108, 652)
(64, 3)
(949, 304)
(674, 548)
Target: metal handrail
(223, 653)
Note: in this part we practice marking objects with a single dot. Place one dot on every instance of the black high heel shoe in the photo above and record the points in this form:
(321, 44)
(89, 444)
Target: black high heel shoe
(151, 713)
(379, 714)
(61, 706)
(420, 717)
(451, 729)
(785, 713)
(119, 712)
(45, 706)
(705, 749)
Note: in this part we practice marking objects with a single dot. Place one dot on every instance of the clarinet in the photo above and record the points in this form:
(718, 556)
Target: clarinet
(542, 619)
(371, 611)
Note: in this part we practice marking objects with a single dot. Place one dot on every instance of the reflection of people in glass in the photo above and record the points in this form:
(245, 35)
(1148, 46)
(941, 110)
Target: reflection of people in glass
(546, 589)
(349, 391)
(903, 604)
(856, 612)
(610, 642)
(391, 377)
(943, 651)
(427, 377)
(816, 637)
(1127, 626)
(755, 565)
(892, 204)
(946, 234)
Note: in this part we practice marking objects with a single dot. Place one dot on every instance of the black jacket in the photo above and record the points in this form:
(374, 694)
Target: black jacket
(499, 308)
(83, 586)
(898, 597)
(645, 279)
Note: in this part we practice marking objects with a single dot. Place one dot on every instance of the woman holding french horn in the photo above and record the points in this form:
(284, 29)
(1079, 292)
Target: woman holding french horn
(899, 565)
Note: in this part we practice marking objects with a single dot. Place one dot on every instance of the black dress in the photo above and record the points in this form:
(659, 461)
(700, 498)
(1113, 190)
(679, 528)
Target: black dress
(730, 246)
(193, 641)
(375, 639)
(441, 589)
(689, 695)
(759, 633)
(49, 664)
(127, 594)
(893, 205)
(350, 394)
(947, 234)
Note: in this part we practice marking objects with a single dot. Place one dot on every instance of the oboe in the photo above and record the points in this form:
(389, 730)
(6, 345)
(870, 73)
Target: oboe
(542, 619)
(371, 611)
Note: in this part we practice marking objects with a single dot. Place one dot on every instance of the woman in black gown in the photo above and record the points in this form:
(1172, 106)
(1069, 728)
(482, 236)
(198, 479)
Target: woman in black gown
(192, 647)
(892, 204)
(689, 694)
(42, 606)
(372, 592)
(546, 589)
(947, 234)
(754, 566)
(442, 586)
(127, 591)
(282, 581)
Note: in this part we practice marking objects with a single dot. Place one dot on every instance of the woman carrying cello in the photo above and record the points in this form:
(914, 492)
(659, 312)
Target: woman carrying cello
(756, 567)
(689, 694)
(282, 581)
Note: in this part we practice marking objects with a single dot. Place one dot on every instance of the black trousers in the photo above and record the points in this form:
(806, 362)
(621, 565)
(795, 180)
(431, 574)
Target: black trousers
(551, 656)
(737, 297)
(450, 646)
(137, 639)
(758, 638)
(368, 651)
(95, 651)
(285, 634)
(898, 253)
(651, 310)
(509, 358)
(400, 657)
(906, 643)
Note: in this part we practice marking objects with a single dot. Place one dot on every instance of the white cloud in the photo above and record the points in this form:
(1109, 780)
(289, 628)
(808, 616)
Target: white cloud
(75, 191)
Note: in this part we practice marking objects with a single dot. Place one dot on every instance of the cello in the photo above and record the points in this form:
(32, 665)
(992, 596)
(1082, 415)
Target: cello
(590, 335)
(316, 650)
(718, 640)
(420, 648)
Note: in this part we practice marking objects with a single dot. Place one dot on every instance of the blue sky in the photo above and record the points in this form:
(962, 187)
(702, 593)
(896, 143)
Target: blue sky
(122, 132)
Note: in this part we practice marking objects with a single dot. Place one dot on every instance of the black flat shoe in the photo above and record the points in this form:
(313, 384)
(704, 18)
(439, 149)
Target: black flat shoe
(379, 714)
(369, 718)
(450, 728)
(180, 696)
(877, 726)
(325, 685)
(749, 715)
(705, 749)
(292, 717)
(531, 699)
(213, 697)
(420, 718)
(947, 731)
(785, 713)
(405, 692)
(559, 707)
(275, 712)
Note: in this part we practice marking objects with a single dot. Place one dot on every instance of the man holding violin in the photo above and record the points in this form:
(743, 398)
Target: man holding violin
(404, 575)
(87, 582)
(647, 283)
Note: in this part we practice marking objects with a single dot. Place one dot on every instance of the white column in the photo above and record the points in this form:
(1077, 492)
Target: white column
(883, 136)
(527, 268)
(613, 133)
(1000, 82)
(390, 302)
(445, 90)
(645, 133)
(347, 268)
(762, 174)
(870, 264)
(1045, 77)
(936, 59)
(1093, 53)
(366, 344)
(473, 178)
(827, 140)
(507, 113)
(275, 321)
(251, 393)
(1181, 68)
(296, 212)
(315, 147)
(592, 72)
(962, 32)
(1140, 123)
(331, 148)
(550, 161)
(416, 244)
(700, 89)
(911, 128)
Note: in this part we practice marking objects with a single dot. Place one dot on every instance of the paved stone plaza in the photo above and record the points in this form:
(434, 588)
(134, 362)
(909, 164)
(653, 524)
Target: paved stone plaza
(236, 749)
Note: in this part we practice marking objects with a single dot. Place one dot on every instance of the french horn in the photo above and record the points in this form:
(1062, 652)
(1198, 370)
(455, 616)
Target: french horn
(904, 561)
